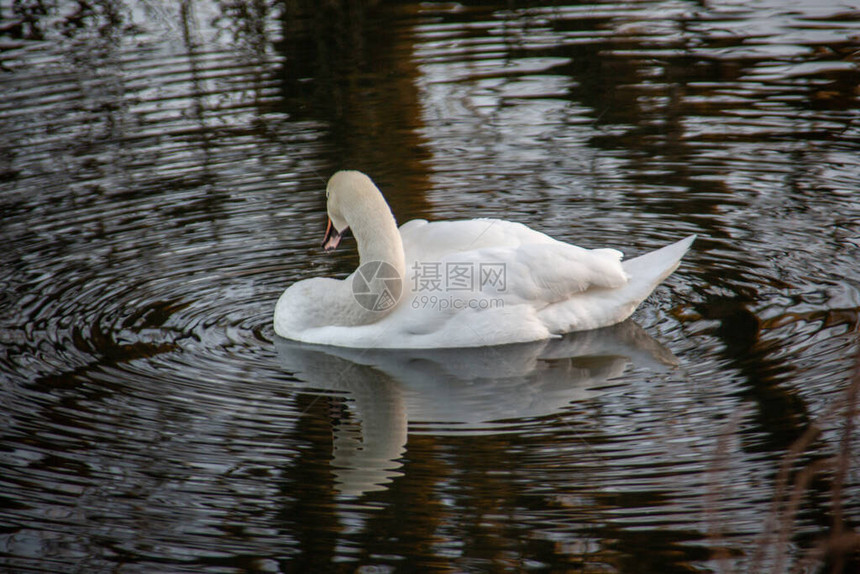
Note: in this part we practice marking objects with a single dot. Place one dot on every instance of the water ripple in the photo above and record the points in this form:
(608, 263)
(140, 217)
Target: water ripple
(161, 184)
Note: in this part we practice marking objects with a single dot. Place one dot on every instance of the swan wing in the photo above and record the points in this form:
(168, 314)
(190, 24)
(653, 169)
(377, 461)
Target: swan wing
(500, 258)
(548, 273)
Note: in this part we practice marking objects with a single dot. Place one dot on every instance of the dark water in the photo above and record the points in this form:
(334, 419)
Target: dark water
(161, 178)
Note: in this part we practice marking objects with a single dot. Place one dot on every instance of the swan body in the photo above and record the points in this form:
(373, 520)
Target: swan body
(468, 283)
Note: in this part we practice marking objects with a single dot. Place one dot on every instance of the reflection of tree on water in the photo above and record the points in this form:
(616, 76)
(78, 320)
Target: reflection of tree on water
(348, 64)
(344, 66)
(36, 19)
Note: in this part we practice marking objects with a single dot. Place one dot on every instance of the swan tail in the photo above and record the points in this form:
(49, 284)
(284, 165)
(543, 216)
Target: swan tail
(649, 270)
(602, 307)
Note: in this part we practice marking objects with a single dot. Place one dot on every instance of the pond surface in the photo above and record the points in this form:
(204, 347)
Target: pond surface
(162, 168)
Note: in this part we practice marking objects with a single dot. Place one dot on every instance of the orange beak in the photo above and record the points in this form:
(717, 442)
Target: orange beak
(332, 237)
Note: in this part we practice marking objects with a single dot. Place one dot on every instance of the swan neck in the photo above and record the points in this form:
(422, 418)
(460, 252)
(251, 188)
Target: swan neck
(379, 239)
(367, 214)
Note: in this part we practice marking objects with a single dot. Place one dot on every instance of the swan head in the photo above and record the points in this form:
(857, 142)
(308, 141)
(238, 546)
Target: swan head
(351, 199)
(341, 192)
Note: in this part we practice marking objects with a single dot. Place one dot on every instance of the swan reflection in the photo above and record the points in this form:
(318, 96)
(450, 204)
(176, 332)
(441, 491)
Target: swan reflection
(443, 391)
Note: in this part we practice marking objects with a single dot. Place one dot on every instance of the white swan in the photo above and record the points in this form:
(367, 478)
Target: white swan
(459, 283)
